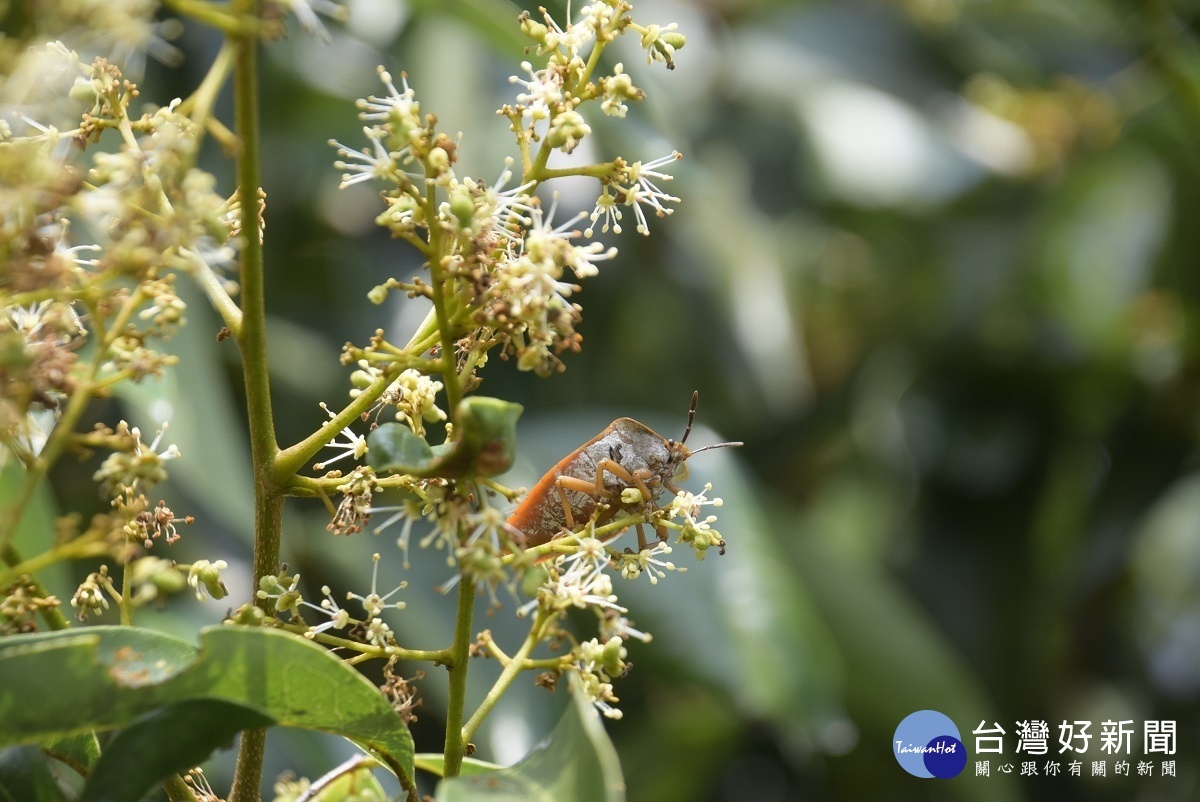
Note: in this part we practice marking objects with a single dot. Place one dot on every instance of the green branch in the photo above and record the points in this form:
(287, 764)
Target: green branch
(456, 742)
(515, 666)
(370, 651)
(289, 461)
(251, 340)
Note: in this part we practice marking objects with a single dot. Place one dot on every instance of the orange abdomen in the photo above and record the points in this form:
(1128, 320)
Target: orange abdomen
(540, 514)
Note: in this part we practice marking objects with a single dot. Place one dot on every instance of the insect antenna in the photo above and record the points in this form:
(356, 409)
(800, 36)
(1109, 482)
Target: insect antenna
(691, 416)
(688, 430)
(714, 445)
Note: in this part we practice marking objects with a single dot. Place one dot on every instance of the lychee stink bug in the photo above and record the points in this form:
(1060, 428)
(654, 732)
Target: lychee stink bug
(628, 454)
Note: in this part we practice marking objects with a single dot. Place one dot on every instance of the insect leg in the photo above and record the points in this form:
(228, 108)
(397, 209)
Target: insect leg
(641, 538)
(621, 472)
(564, 483)
(597, 490)
(635, 479)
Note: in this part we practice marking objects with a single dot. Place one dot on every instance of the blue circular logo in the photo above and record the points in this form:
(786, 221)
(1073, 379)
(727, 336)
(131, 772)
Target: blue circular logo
(928, 744)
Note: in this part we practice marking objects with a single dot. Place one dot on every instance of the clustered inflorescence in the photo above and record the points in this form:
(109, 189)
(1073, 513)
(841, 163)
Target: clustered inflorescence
(92, 243)
(93, 251)
(503, 276)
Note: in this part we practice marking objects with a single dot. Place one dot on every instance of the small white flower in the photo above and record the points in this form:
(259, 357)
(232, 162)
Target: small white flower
(286, 597)
(410, 513)
(581, 580)
(690, 505)
(379, 634)
(510, 209)
(596, 16)
(399, 107)
(643, 190)
(644, 562)
(205, 579)
(618, 88)
(355, 446)
(69, 254)
(584, 566)
(606, 207)
(543, 91)
(622, 627)
(600, 692)
(373, 603)
(697, 531)
(380, 163)
(212, 254)
(655, 43)
(338, 617)
(413, 394)
(491, 521)
(58, 141)
(572, 41)
(143, 465)
(29, 320)
(545, 242)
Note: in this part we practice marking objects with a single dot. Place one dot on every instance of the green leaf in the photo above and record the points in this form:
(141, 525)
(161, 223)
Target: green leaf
(25, 777)
(78, 751)
(107, 677)
(577, 762)
(432, 762)
(484, 443)
(166, 741)
(395, 447)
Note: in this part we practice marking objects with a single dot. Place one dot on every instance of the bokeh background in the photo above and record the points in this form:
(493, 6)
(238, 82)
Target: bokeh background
(935, 265)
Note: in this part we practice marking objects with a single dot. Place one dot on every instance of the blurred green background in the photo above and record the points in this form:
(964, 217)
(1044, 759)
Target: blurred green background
(935, 264)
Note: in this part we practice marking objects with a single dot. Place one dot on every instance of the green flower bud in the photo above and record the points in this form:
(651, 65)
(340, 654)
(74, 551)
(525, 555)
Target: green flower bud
(631, 495)
(462, 206)
(674, 39)
(612, 658)
(377, 295)
(534, 30)
(247, 615)
(568, 128)
(438, 159)
(82, 90)
(208, 574)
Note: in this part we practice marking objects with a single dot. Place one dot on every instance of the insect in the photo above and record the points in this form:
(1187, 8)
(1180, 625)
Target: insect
(628, 454)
